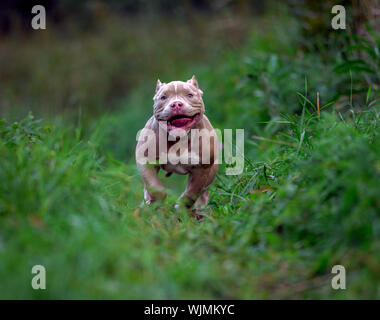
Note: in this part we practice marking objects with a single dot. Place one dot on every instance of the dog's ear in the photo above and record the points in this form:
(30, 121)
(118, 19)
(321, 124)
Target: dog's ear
(193, 81)
(159, 85)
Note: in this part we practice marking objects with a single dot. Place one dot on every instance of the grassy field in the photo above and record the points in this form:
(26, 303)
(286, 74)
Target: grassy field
(308, 199)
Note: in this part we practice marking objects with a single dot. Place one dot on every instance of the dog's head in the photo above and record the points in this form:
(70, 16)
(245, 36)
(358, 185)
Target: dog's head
(178, 104)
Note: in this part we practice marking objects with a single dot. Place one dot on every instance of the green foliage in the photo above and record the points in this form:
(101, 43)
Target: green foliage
(361, 59)
(66, 68)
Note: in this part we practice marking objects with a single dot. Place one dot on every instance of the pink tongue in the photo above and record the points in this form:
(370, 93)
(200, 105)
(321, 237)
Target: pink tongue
(181, 122)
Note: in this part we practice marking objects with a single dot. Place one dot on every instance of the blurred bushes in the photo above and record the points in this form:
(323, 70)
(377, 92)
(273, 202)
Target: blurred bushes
(360, 62)
(95, 53)
(15, 14)
(66, 68)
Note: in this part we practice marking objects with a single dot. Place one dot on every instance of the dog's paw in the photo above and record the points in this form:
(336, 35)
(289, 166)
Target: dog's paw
(198, 214)
(157, 195)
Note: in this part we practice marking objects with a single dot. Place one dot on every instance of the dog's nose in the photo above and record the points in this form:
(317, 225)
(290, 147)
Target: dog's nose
(176, 105)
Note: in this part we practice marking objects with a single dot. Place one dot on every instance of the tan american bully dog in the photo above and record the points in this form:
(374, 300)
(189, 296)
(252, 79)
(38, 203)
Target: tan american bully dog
(178, 138)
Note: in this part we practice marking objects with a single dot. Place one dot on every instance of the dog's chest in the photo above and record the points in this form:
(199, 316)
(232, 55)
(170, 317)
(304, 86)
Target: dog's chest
(176, 168)
(182, 164)
(180, 159)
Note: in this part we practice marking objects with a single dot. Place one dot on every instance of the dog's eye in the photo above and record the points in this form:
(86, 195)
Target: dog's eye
(163, 98)
(190, 95)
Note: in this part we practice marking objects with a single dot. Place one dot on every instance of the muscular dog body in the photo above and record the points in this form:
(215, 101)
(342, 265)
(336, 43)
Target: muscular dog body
(178, 113)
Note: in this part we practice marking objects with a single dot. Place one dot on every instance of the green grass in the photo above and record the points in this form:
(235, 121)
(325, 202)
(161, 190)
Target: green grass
(308, 199)
(80, 217)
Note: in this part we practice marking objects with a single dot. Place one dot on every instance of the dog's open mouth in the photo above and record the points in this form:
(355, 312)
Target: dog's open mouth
(182, 121)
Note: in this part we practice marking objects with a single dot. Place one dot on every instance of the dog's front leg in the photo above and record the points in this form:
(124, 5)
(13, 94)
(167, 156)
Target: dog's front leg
(153, 187)
(196, 185)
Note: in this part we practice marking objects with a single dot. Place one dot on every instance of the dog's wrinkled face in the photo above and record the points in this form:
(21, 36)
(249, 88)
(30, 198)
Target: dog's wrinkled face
(178, 104)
